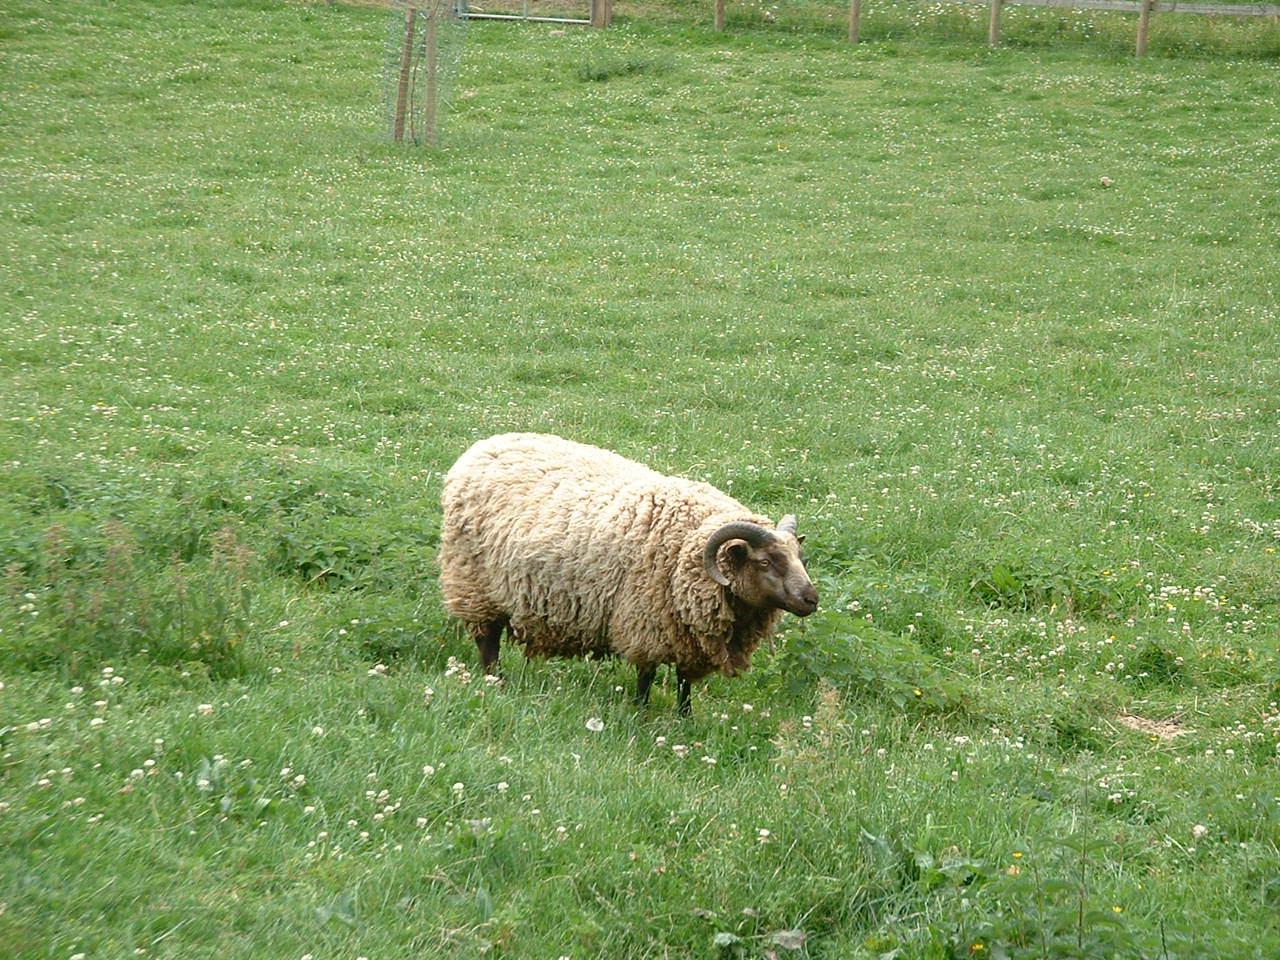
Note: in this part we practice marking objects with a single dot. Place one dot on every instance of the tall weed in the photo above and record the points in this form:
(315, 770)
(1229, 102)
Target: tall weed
(88, 598)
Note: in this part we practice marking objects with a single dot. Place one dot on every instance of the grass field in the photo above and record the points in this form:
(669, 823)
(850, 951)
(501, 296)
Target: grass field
(999, 326)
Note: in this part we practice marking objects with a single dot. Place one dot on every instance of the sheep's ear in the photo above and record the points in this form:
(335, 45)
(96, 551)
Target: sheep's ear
(800, 538)
(736, 552)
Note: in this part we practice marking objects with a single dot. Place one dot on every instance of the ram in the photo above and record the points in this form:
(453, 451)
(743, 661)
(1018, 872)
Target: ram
(579, 552)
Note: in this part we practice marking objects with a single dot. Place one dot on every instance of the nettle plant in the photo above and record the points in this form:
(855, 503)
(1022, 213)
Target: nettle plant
(868, 640)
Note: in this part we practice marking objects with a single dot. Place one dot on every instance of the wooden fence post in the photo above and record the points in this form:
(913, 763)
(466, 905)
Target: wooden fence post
(993, 31)
(719, 14)
(1144, 27)
(601, 13)
(406, 64)
(855, 20)
(433, 85)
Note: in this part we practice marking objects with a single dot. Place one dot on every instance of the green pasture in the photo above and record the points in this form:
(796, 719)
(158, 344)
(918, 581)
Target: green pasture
(999, 326)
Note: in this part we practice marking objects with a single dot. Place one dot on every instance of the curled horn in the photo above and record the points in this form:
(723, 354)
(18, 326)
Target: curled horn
(753, 533)
(788, 524)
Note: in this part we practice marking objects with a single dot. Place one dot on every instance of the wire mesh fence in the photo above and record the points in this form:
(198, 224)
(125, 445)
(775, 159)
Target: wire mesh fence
(425, 40)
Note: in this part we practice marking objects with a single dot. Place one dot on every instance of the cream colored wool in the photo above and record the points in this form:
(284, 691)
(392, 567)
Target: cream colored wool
(588, 553)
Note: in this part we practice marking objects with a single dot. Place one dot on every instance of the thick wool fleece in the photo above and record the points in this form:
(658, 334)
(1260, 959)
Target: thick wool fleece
(585, 552)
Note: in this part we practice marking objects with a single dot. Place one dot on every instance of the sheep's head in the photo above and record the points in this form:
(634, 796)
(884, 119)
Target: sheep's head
(762, 567)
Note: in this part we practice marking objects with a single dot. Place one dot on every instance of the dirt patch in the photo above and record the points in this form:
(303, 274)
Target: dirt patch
(1164, 729)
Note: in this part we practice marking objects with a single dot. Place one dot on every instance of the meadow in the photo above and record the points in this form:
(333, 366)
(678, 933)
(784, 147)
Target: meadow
(999, 326)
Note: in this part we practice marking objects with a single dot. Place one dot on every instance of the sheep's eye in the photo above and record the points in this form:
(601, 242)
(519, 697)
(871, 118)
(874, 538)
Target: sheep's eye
(764, 563)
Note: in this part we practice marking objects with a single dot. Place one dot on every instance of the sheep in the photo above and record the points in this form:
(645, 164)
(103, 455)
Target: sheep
(575, 551)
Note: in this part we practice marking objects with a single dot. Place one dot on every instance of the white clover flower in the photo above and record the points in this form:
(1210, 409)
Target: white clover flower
(428, 770)
(205, 709)
(680, 750)
(595, 724)
(456, 668)
(1199, 831)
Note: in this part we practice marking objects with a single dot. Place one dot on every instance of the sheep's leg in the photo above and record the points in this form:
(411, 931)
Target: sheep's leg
(684, 702)
(488, 640)
(644, 679)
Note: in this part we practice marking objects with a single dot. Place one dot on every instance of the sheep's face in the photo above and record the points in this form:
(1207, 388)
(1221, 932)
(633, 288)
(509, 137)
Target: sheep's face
(771, 575)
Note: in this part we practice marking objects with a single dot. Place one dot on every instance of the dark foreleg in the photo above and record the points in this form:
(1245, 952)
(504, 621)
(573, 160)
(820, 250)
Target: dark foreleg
(644, 680)
(684, 702)
(488, 641)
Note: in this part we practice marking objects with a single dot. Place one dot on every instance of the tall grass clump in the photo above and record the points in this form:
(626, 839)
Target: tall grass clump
(87, 597)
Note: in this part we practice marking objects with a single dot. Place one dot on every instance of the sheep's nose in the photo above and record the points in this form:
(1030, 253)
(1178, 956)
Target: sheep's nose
(805, 602)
